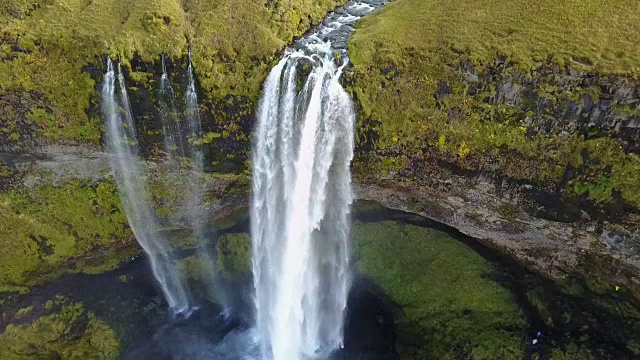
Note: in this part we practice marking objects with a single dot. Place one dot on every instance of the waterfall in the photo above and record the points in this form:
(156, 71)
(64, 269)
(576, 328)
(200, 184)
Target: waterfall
(300, 209)
(195, 209)
(300, 222)
(192, 117)
(122, 142)
(171, 129)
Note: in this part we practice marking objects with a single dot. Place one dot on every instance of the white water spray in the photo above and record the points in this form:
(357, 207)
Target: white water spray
(122, 140)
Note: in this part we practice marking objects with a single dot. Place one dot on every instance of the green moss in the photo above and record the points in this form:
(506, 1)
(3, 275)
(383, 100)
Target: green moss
(608, 169)
(194, 267)
(233, 258)
(22, 312)
(234, 253)
(70, 333)
(573, 352)
(448, 61)
(443, 288)
(44, 227)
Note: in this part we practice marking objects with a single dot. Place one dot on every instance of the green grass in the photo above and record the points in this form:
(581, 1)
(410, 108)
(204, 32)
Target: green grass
(47, 44)
(404, 54)
(443, 290)
(590, 35)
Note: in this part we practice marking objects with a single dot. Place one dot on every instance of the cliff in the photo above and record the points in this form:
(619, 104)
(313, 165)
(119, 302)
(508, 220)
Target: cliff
(59, 211)
(517, 123)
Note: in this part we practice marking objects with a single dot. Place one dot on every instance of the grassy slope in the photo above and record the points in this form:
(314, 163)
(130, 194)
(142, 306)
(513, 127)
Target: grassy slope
(47, 43)
(576, 32)
(443, 289)
(402, 54)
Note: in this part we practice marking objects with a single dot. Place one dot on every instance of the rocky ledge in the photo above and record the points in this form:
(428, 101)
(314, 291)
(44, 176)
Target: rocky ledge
(550, 238)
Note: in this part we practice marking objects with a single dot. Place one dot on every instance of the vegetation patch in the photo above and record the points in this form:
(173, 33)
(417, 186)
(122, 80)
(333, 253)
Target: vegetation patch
(451, 308)
(234, 253)
(68, 332)
(51, 228)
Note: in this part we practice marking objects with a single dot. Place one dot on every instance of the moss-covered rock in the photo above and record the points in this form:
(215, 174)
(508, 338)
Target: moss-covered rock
(66, 332)
(539, 94)
(234, 253)
(56, 228)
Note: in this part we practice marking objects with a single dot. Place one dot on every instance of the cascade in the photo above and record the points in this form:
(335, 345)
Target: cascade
(192, 117)
(300, 223)
(194, 209)
(171, 127)
(122, 142)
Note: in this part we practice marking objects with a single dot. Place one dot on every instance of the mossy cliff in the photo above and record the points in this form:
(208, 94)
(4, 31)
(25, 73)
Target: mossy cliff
(59, 209)
(51, 54)
(513, 116)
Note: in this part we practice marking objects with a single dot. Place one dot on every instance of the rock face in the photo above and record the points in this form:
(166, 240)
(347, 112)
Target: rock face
(496, 215)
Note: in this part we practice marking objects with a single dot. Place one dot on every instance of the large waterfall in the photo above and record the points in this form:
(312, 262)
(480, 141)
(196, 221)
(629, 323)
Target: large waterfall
(122, 140)
(300, 206)
(302, 194)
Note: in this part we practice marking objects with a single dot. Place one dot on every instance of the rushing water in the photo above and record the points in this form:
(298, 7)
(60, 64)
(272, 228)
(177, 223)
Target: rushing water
(122, 139)
(302, 194)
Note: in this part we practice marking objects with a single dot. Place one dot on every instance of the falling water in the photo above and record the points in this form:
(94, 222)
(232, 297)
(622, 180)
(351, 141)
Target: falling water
(193, 118)
(196, 191)
(171, 129)
(122, 140)
(301, 196)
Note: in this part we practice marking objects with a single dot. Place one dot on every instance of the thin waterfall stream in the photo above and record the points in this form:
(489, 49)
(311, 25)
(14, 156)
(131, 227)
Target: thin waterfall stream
(122, 139)
(182, 134)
